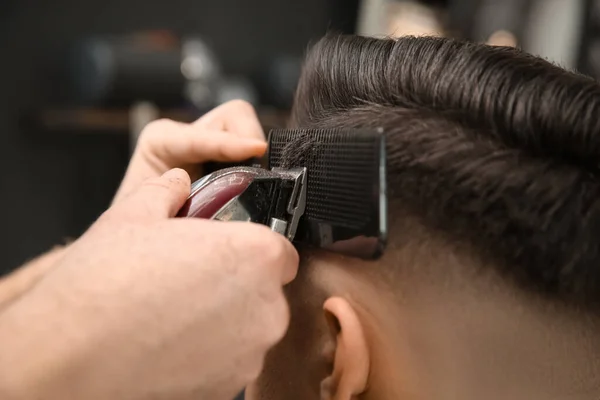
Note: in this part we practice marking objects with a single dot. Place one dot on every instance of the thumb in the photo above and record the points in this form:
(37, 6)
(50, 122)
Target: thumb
(157, 198)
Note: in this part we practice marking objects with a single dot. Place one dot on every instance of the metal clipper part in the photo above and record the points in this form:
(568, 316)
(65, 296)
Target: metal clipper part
(276, 198)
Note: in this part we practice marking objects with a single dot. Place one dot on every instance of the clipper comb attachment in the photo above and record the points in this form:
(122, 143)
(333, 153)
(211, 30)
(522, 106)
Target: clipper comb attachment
(346, 207)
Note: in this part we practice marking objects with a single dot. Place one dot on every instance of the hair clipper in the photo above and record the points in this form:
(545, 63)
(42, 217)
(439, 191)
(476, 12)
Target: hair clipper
(322, 188)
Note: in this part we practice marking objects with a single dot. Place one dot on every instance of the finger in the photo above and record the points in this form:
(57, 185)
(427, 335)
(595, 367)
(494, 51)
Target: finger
(237, 117)
(258, 242)
(156, 198)
(291, 260)
(187, 144)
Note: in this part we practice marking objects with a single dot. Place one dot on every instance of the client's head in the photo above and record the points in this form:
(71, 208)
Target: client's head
(489, 287)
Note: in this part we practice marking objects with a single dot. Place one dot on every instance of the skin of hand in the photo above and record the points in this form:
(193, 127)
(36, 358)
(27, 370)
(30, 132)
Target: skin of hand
(229, 133)
(147, 306)
(23, 279)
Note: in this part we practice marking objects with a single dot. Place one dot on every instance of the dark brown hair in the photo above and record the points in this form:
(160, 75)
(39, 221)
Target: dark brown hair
(489, 146)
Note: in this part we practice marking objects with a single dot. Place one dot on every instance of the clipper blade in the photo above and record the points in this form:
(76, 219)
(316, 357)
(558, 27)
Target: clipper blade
(346, 206)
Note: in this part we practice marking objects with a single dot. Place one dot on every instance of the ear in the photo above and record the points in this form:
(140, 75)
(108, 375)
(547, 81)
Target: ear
(347, 350)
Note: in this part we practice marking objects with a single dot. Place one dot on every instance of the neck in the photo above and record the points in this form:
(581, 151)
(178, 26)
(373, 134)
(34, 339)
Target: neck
(482, 343)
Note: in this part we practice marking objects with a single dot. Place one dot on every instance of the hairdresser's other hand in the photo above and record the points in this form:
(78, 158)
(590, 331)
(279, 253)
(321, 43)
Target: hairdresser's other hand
(146, 306)
(229, 133)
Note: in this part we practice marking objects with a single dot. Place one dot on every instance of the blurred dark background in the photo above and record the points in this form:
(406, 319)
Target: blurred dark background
(68, 119)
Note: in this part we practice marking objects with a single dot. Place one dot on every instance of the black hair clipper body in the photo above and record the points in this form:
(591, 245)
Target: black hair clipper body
(321, 188)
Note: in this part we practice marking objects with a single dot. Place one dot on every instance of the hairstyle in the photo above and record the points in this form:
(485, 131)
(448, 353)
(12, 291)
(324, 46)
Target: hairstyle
(486, 146)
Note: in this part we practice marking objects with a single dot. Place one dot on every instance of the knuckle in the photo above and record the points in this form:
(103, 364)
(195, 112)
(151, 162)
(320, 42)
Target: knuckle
(253, 237)
(258, 242)
(155, 128)
(220, 152)
(162, 184)
(241, 105)
(276, 251)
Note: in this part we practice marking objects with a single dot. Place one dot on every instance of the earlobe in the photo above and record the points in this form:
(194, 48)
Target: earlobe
(348, 351)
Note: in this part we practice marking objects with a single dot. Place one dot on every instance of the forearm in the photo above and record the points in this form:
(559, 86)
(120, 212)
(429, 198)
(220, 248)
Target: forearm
(20, 281)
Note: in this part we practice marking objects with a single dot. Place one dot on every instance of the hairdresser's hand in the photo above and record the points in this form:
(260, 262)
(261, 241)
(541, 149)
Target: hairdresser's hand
(143, 306)
(229, 133)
